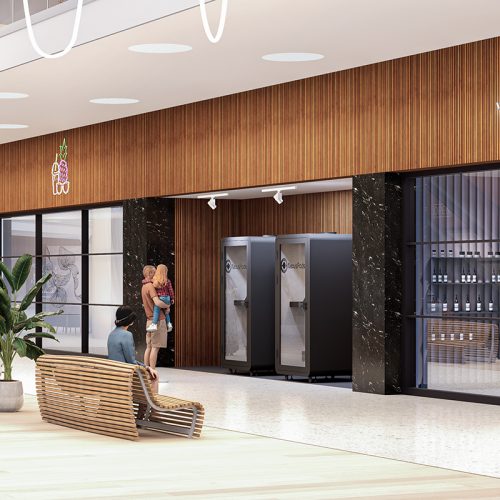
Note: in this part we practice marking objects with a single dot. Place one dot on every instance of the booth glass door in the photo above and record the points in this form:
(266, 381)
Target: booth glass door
(293, 304)
(236, 303)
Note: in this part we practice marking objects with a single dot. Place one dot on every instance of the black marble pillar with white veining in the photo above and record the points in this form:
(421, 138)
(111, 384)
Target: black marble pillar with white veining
(148, 238)
(377, 283)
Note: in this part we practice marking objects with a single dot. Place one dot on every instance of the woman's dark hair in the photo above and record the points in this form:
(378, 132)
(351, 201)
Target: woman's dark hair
(125, 316)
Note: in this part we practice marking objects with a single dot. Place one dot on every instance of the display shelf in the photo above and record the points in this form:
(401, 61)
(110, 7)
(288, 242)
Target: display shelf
(453, 315)
(473, 259)
(454, 283)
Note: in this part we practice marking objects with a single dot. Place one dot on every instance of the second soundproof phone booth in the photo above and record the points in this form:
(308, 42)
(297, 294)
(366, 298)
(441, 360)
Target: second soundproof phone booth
(247, 303)
(313, 304)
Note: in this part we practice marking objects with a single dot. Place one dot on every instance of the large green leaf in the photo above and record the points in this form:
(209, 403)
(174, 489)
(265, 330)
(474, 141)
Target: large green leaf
(30, 296)
(30, 325)
(21, 271)
(32, 350)
(20, 346)
(7, 274)
(3, 326)
(5, 308)
(40, 335)
(2, 284)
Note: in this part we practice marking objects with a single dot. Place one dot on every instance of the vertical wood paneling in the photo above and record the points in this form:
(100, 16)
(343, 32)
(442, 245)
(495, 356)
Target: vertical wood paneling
(197, 240)
(430, 110)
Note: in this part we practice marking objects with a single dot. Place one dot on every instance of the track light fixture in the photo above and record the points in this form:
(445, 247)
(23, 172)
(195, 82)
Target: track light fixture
(32, 38)
(278, 197)
(212, 204)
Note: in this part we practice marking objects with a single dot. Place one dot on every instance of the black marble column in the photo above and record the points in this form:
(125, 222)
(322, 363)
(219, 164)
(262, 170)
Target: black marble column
(377, 283)
(148, 238)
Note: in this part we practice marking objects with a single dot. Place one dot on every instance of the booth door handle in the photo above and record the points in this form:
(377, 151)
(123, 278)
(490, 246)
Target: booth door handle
(300, 304)
(241, 303)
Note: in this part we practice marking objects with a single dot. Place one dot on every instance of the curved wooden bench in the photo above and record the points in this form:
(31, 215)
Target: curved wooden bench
(109, 397)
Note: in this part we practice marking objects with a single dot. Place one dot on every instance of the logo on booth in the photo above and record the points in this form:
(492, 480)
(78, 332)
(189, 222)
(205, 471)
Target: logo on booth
(230, 266)
(60, 180)
(285, 265)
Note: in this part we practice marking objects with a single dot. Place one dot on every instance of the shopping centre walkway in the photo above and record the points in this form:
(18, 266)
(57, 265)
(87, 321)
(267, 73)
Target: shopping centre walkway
(335, 421)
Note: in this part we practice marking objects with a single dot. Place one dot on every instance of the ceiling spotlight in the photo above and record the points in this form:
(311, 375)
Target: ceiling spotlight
(212, 204)
(278, 197)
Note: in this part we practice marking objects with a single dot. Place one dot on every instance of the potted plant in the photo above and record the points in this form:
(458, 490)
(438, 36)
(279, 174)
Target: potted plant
(17, 331)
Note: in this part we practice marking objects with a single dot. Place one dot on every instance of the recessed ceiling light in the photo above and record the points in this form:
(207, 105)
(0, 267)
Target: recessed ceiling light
(12, 125)
(284, 188)
(12, 95)
(114, 100)
(293, 57)
(160, 48)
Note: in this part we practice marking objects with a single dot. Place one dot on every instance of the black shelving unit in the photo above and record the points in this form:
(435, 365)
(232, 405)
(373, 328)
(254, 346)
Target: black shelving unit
(456, 252)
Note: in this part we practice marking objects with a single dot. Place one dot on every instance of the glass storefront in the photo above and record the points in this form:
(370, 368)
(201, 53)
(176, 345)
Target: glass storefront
(61, 246)
(457, 271)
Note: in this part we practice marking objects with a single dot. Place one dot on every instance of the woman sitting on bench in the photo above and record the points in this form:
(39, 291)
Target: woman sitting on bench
(121, 345)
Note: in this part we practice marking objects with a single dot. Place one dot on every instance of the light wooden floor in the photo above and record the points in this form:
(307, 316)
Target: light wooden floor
(39, 460)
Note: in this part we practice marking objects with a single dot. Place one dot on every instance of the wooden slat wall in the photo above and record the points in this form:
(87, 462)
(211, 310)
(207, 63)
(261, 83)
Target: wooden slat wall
(429, 110)
(198, 233)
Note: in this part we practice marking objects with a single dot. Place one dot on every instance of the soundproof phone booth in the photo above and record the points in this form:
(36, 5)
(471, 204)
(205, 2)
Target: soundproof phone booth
(313, 301)
(247, 303)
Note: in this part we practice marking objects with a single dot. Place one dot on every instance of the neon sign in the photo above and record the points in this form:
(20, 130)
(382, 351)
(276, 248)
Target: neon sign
(60, 182)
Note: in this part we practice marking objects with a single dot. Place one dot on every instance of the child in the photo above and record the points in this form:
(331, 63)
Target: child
(165, 293)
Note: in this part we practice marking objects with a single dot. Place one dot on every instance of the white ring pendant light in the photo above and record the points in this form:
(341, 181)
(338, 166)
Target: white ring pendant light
(33, 41)
(206, 26)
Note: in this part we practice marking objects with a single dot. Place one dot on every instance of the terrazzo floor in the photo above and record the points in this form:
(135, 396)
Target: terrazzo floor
(449, 434)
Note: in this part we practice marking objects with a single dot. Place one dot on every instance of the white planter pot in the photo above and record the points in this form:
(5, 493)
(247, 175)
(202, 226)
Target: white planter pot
(11, 395)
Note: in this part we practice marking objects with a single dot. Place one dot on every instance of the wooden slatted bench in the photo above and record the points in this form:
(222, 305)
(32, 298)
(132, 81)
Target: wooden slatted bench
(109, 397)
(452, 341)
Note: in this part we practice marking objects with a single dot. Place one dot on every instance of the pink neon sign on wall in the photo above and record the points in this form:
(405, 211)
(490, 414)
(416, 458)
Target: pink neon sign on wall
(60, 181)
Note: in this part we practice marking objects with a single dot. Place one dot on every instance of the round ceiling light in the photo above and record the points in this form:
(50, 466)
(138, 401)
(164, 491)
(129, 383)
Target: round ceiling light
(12, 95)
(160, 48)
(12, 125)
(293, 57)
(114, 100)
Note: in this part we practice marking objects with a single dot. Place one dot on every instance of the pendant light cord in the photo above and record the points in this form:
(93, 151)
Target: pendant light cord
(206, 26)
(71, 43)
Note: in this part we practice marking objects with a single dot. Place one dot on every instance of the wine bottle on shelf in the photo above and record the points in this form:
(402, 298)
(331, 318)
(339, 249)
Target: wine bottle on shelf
(456, 305)
(490, 305)
(474, 276)
(440, 276)
(433, 335)
(493, 276)
(479, 305)
(452, 336)
(463, 275)
(469, 277)
(467, 304)
(433, 304)
(498, 276)
(442, 335)
(445, 305)
(445, 276)
(434, 276)
(442, 254)
(461, 336)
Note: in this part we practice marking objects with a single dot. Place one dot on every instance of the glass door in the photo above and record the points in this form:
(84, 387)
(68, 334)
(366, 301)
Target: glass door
(293, 304)
(236, 303)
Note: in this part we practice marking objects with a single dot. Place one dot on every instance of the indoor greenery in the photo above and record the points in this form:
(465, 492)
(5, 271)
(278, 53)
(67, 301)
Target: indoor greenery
(14, 323)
